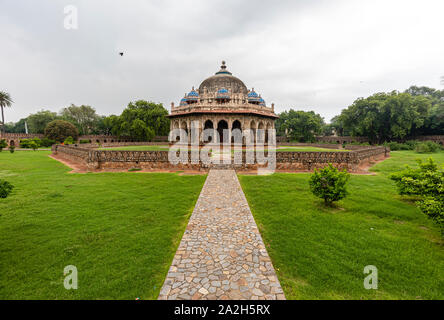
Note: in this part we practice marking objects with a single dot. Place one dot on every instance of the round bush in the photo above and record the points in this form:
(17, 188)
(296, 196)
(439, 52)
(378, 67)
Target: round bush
(329, 184)
(5, 188)
(59, 130)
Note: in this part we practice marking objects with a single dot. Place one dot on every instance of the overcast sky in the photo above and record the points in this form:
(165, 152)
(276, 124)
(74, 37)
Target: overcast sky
(308, 55)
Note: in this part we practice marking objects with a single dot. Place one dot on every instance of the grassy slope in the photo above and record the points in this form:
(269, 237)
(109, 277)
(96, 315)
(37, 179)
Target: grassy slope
(320, 253)
(119, 229)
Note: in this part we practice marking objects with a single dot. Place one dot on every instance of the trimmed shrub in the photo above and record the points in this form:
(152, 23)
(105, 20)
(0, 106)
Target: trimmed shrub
(47, 142)
(33, 145)
(84, 141)
(11, 149)
(59, 130)
(68, 140)
(3, 144)
(329, 184)
(428, 183)
(30, 143)
(396, 146)
(427, 147)
(5, 188)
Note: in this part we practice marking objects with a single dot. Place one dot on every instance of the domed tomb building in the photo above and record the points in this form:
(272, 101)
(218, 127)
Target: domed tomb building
(223, 103)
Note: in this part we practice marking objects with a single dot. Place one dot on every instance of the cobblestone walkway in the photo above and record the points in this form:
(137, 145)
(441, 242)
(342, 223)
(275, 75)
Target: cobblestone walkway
(221, 255)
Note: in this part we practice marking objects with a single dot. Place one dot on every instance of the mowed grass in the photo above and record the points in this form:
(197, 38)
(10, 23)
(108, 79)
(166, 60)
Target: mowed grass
(320, 253)
(120, 230)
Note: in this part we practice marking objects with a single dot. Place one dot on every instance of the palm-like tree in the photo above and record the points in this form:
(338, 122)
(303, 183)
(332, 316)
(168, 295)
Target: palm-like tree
(5, 101)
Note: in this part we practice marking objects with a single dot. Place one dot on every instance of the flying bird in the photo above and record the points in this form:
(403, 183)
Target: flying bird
(121, 54)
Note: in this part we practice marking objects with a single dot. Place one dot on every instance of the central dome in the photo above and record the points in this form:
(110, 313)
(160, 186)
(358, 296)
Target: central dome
(223, 79)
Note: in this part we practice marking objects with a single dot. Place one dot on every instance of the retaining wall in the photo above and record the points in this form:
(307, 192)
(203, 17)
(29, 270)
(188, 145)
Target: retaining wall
(94, 159)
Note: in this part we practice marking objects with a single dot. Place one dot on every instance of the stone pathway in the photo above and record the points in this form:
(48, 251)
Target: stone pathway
(221, 255)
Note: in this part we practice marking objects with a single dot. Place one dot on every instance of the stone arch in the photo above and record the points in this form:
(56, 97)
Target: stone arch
(266, 132)
(208, 124)
(222, 126)
(236, 125)
(260, 136)
(253, 131)
(12, 143)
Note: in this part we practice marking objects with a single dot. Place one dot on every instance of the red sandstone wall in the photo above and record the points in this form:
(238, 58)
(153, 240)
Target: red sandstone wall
(353, 161)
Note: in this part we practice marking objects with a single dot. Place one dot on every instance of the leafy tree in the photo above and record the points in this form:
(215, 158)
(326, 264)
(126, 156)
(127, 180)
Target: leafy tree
(428, 183)
(83, 117)
(300, 125)
(18, 127)
(3, 144)
(140, 131)
(154, 117)
(59, 130)
(385, 116)
(434, 123)
(37, 122)
(5, 101)
(329, 184)
(5, 188)
(33, 145)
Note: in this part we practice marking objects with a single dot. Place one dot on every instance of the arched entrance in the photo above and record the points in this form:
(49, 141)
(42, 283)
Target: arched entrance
(260, 135)
(12, 143)
(185, 128)
(222, 127)
(253, 132)
(236, 125)
(208, 125)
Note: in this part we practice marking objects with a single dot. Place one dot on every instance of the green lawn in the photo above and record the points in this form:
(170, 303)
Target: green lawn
(120, 230)
(320, 253)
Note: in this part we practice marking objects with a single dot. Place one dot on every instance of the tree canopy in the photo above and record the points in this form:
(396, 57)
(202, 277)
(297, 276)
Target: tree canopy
(83, 117)
(302, 126)
(37, 122)
(141, 120)
(385, 116)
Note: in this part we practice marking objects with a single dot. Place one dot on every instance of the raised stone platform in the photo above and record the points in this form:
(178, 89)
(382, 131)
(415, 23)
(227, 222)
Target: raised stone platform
(221, 255)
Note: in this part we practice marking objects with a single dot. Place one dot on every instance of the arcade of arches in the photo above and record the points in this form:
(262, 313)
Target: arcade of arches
(224, 127)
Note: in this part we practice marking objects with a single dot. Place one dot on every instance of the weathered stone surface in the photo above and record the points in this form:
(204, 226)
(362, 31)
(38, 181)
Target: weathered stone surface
(223, 230)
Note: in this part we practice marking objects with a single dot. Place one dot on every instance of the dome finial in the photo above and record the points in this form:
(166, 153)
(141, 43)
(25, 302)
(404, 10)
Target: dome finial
(223, 69)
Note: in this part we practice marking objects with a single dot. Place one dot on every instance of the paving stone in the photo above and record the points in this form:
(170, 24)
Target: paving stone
(221, 254)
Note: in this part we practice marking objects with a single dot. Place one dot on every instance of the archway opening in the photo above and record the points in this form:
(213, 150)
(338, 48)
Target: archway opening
(236, 125)
(253, 132)
(260, 133)
(222, 127)
(208, 125)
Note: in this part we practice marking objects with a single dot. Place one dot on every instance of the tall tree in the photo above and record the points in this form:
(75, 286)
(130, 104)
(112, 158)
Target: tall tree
(301, 126)
(129, 123)
(37, 122)
(386, 116)
(83, 117)
(5, 101)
